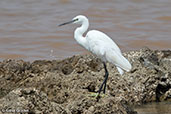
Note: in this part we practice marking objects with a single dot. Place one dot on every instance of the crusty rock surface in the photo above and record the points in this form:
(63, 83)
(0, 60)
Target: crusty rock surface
(65, 86)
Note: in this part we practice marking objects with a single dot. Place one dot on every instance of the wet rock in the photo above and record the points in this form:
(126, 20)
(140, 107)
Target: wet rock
(65, 86)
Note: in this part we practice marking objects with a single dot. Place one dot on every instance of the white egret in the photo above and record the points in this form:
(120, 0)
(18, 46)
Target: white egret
(101, 45)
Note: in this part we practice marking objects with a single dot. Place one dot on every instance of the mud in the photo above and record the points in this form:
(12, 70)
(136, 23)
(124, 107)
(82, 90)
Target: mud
(65, 86)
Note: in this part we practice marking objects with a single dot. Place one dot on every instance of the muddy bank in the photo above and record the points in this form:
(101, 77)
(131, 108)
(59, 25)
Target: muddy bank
(65, 86)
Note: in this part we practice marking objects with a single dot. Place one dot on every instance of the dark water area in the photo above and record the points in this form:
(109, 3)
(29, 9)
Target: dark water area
(29, 31)
(155, 108)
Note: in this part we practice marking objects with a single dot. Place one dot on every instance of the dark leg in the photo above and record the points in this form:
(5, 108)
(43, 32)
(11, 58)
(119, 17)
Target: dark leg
(105, 80)
(106, 77)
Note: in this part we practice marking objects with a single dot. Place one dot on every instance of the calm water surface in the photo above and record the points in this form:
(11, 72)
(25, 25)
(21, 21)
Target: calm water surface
(155, 108)
(29, 31)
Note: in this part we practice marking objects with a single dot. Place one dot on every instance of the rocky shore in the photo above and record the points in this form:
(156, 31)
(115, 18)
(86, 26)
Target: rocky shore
(65, 86)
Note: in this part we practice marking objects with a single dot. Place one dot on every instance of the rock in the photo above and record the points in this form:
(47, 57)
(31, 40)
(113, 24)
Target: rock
(64, 86)
(28, 100)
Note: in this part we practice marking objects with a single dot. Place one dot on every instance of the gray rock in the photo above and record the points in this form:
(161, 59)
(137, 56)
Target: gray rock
(64, 86)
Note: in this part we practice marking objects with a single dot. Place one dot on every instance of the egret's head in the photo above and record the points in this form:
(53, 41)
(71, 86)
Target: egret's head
(78, 20)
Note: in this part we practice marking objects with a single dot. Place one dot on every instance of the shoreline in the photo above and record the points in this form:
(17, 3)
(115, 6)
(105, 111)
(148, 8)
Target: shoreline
(64, 86)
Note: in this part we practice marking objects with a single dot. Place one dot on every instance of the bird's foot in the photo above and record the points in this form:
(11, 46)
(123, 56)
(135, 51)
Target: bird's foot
(96, 95)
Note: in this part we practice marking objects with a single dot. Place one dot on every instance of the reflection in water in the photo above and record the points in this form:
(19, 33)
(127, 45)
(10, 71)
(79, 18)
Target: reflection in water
(29, 31)
(155, 108)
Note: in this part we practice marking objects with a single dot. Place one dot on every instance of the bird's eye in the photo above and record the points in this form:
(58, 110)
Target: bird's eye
(76, 19)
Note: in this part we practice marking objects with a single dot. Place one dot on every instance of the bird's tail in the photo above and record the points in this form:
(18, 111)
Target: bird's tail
(120, 70)
(119, 60)
(125, 64)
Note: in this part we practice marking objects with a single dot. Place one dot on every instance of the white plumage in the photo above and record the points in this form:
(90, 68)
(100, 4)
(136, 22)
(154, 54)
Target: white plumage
(105, 48)
(101, 45)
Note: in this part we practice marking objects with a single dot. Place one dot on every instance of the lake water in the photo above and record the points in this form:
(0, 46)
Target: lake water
(29, 31)
(155, 108)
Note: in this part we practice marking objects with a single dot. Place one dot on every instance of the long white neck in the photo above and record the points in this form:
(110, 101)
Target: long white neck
(78, 34)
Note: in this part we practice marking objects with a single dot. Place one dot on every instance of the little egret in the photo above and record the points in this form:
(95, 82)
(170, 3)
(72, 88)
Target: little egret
(101, 45)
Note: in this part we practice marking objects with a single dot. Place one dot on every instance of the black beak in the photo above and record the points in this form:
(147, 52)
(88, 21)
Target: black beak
(66, 23)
